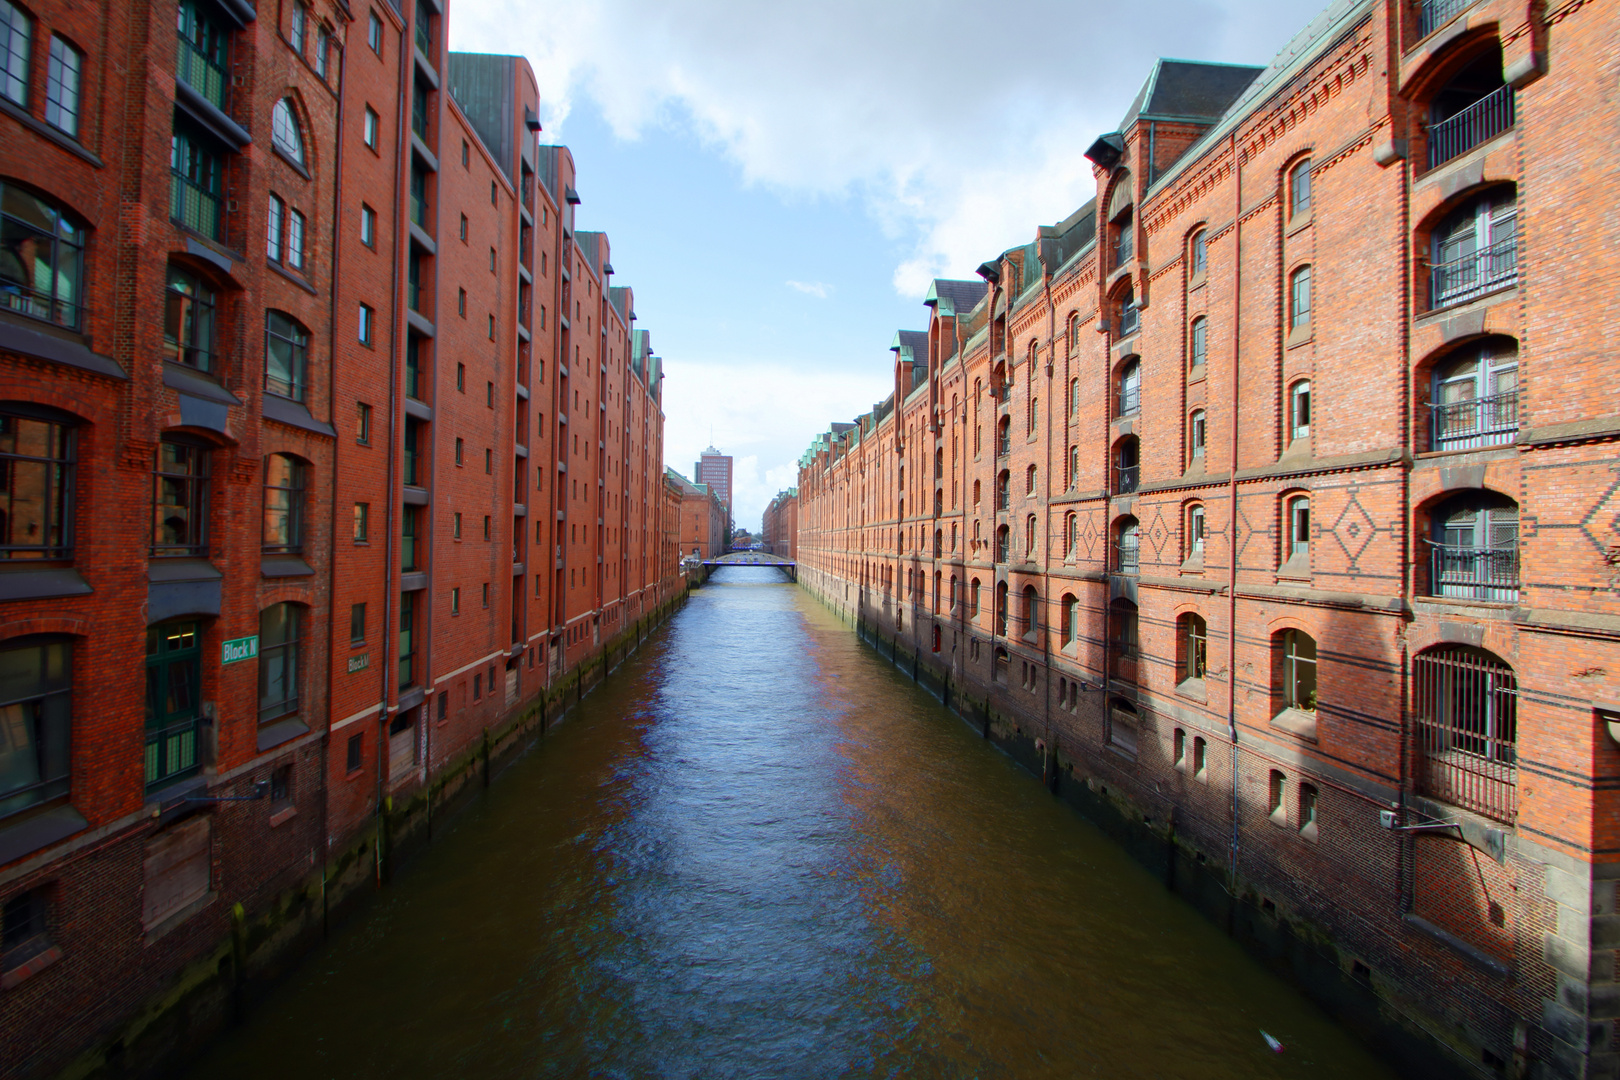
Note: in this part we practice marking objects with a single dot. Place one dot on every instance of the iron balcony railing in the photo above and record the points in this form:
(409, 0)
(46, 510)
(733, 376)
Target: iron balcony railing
(1465, 425)
(1125, 478)
(1130, 320)
(193, 207)
(1464, 707)
(1470, 573)
(1484, 119)
(1003, 498)
(171, 752)
(1004, 444)
(202, 74)
(1001, 549)
(1126, 556)
(1130, 399)
(1433, 14)
(1475, 274)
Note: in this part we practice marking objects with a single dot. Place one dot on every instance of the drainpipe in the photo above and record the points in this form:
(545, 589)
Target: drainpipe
(1231, 497)
(1405, 899)
(1046, 510)
(331, 397)
(391, 525)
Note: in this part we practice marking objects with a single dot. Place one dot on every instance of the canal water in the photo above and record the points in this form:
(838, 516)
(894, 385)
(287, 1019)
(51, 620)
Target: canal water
(760, 851)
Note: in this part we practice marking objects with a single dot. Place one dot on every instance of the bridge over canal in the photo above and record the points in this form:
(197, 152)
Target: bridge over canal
(754, 558)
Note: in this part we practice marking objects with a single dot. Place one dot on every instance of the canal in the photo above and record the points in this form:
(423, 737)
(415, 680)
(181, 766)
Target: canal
(760, 851)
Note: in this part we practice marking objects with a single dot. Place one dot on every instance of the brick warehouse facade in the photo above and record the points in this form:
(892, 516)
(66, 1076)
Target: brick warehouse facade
(1267, 505)
(779, 527)
(332, 459)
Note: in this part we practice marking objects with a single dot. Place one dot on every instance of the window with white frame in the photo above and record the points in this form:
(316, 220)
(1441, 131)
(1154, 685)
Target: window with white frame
(1299, 410)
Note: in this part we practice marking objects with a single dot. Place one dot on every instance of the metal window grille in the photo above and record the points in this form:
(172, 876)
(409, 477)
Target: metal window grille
(1126, 550)
(1464, 707)
(1433, 14)
(1478, 573)
(1482, 421)
(1475, 273)
(1130, 319)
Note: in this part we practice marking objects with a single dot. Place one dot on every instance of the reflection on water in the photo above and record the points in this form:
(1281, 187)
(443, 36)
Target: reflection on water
(759, 851)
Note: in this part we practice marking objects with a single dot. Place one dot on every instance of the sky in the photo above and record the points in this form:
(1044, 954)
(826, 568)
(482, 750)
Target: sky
(780, 182)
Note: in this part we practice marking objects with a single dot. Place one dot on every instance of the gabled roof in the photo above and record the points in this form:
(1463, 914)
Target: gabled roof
(948, 296)
(1189, 90)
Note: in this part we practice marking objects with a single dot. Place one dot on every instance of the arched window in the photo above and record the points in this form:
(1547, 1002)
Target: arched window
(1001, 668)
(284, 132)
(1074, 396)
(1071, 534)
(1299, 298)
(973, 599)
(1126, 546)
(1191, 647)
(1032, 532)
(1074, 466)
(1465, 705)
(1003, 489)
(1004, 437)
(975, 495)
(286, 356)
(38, 448)
(1299, 410)
(283, 504)
(38, 716)
(1127, 465)
(1195, 531)
(1029, 480)
(1297, 512)
(1476, 396)
(1121, 234)
(1198, 347)
(1122, 724)
(1001, 608)
(1475, 250)
(1297, 671)
(1476, 105)
(41, 257)
(1197, 432)
(1299, 190)
(1129, 399)
(1200, 253)
(1032, 612)
(188, 322)
(1130, 317)
(279, 672)
(1003, 542)
(1069, 630)
(1033, 411)
(1475, 544)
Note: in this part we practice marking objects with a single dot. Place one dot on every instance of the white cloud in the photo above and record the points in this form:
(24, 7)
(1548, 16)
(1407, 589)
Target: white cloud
(960, 126)
(818, 289)
(765, 443)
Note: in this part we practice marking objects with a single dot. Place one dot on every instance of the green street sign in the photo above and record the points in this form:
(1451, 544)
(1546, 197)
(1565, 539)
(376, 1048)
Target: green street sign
(359, 663)
(242, 648)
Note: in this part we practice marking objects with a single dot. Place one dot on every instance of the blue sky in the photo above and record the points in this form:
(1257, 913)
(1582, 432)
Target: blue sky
(780, 182)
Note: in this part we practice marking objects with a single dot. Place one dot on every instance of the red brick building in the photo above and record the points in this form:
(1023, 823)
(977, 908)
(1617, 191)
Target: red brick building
(779, 528)
(1267, 505)
(702, 532)
(330, 456)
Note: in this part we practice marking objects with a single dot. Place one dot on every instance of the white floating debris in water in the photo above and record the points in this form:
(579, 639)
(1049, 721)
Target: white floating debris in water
(1276, 1047)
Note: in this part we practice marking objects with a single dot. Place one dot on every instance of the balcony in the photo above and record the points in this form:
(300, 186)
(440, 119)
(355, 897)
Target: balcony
(1126, 478)
(1004, 443)
(1483, 120)
(194, 206)
(1471, 573)
(1130, 319)
(1477, 422)
(1472, 275)
(171, 752)
(202, 74)
(1433, 14)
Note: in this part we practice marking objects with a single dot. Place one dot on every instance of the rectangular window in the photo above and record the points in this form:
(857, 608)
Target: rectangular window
(323, 46)
(16, 32)
(492, 259)
(362, 433)
(372, 125)
(486, 526)
(460, 446)
(478, 686)
(464, 225)
(461, 377)
(295, 240)
(357, 624)
(272, 226)
(355, 751)
(1275, 796)
(486, 604)
(283, 505)
(489, 394)
(493, 199)
(461, 302)
(279, 641)
(368, 226)
(180, 500)
(362, 523)
(464, 155)
(374, 34)
(408, 552)
(489, 462)
(455, 525)
(36, 684)
(492, 328)
(1307, 811)
(413, 456)
(36, 489)
(286, 349)
(407, 639)
(62, 86)
(366, 316)
(297, 27)
(455, 601)
(1300, 307)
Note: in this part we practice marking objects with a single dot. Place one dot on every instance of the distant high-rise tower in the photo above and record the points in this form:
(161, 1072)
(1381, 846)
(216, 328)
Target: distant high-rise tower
(714, 469)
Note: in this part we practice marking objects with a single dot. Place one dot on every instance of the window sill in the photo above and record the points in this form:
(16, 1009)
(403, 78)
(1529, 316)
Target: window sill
(1197, 373)
(35, 581)
(30, 967)
(1299, 222)
(1297, 568)
(1296, 722)
(282, 816)
(1299, 335)
(60, 138)
(38, 830)
(273, 734)
(1309, 832)
(45, 341)
(1194, 690)
(1198, 280)
(1194, 564)
(294, 414)
(296, 278)
(292, 162)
